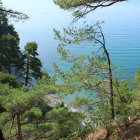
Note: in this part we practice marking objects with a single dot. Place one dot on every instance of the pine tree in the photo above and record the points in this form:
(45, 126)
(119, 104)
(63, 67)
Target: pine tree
(10, 53)
(32, 66)
(29, 115)
(87, 72)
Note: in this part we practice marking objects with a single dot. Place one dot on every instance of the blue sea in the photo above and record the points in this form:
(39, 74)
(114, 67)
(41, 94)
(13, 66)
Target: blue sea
(121, 29)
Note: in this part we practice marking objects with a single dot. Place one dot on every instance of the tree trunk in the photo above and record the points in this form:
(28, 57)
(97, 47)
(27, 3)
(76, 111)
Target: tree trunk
(9, 68)
(0, 67)
(19, 128)
(27, 73)
(110, 83)
(111, 92)
(1, 135)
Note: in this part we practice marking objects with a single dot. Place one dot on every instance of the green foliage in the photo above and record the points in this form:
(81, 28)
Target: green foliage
(28, 113)
(17, 102)
(45, 79)
(82, 102)
(135, 106)
(80, 3)
(84, 7)
(32, 65)
(92, 73)
(37, 119)
(137, 80)
(10, 53)
(86, 72)
(123, 99)
(8, 79)
(68, 121)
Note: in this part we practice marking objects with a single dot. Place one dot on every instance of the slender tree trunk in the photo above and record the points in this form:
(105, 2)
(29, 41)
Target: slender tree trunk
(0, 67)
(27, 73)
(9, 69)
(111, 87)
(20, 137)
(110, 78)
(1, 135)
(110, 81)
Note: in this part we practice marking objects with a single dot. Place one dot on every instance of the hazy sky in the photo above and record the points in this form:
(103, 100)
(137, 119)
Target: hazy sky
(45, 16)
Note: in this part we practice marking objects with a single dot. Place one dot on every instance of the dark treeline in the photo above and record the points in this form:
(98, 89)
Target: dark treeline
(13, 61)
